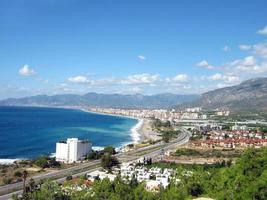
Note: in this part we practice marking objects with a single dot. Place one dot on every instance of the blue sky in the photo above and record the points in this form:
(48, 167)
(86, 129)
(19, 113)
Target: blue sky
(136, 46)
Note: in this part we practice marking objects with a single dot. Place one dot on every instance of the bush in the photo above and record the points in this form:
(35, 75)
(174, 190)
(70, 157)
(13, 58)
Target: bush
(187, 152)
(18, 174)
(46, 162)
(7, 180)
(110, 150)
(68, 178)
(94, 155)
(41, 162)
(108, 161)
(195, 190)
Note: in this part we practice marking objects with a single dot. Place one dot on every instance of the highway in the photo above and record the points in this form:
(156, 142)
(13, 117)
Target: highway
(150, 151)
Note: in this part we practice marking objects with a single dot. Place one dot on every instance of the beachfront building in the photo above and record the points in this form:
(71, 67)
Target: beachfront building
(72, 150)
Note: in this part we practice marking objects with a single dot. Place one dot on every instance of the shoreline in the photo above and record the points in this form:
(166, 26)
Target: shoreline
(135, 130)
(138, 131)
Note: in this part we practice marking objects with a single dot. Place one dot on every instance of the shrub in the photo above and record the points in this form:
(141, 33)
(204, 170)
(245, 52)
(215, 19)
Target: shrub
(108, 161)
(18, 174)
(68, 178)
(7, 180)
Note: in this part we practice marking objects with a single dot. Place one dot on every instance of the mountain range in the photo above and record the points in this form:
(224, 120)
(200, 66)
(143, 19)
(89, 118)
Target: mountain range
(166, 100)
(250, 95)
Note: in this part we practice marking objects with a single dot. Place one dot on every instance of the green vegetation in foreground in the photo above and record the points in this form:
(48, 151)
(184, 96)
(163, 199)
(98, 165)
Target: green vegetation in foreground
(247, 179)
(46, 162)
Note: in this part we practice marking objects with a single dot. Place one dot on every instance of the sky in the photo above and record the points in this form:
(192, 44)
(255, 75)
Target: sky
(135, 46)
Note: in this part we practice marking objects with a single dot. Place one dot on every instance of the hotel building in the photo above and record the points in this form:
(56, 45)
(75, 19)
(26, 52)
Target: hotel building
(72, 150)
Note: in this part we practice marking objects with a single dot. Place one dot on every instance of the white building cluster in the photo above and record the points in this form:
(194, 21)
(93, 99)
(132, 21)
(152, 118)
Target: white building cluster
(162, 114)
(154, 178)
(72, 150)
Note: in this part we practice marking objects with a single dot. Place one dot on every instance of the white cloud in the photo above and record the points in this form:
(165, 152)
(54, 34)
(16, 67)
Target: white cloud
(226, 49)
(244, 47)
(26, 71)
(140, 79)
(229, 79)
(248, 65)
(247, 61)
(141, 57)
(263, 31)
(260, 50)
(136, 89)
(79, 79)
(204, 64)
(216, 77)
(180, 78)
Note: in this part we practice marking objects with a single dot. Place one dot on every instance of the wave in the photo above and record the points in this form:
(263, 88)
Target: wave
(6, 161)
(98, 148)
(135, 134)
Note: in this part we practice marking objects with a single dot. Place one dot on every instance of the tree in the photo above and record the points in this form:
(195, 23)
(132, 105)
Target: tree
(46, 162)
(108, 161)
(195, 190)
(110, 150)
(41, 162)
(24, 176)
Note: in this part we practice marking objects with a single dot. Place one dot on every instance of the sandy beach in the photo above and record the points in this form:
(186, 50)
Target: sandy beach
(142, 132)
(146, 132)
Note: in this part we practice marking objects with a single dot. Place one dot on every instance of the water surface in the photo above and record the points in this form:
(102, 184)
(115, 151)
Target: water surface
(27, 132)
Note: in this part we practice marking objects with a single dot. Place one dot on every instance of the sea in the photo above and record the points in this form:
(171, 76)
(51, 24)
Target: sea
(28, 132)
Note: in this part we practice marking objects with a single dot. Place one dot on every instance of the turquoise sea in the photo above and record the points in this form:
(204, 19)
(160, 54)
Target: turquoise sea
(27, 132)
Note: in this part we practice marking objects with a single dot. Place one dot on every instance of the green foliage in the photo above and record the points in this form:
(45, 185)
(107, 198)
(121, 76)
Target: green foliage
(247, 179)
(224, 153)
(263, 129)
(187, 152)
(49, 190)
(167, 135)
(46, 162)
(110, 150)
(7, 180)
(108, 161)
(158, 124)
(68, 178)
(94, 155)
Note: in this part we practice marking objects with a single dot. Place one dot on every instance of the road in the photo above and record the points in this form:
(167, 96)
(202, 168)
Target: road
(150, 151)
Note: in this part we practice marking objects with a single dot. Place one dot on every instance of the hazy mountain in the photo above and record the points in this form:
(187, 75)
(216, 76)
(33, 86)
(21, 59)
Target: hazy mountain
(249, 95)
(103, 100)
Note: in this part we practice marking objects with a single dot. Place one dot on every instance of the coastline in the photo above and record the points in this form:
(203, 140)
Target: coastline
(142, 132)
(138, 132)
(135, 130)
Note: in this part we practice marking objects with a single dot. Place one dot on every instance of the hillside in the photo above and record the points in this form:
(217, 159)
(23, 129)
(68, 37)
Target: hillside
(103, 100)
(248, 96)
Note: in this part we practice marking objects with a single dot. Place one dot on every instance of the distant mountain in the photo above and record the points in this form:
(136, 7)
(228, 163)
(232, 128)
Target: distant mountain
(248, 96)
(103, 100)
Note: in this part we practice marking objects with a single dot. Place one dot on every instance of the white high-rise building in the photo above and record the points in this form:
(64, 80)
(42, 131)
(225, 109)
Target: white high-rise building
(72, 150)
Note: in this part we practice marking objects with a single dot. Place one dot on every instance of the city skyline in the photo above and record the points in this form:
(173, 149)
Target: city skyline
(183, 47)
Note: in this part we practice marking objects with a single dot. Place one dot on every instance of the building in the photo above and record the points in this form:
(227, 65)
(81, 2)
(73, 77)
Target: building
(72, 150)
(239, 128)
(92, 176)
(195, 109)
